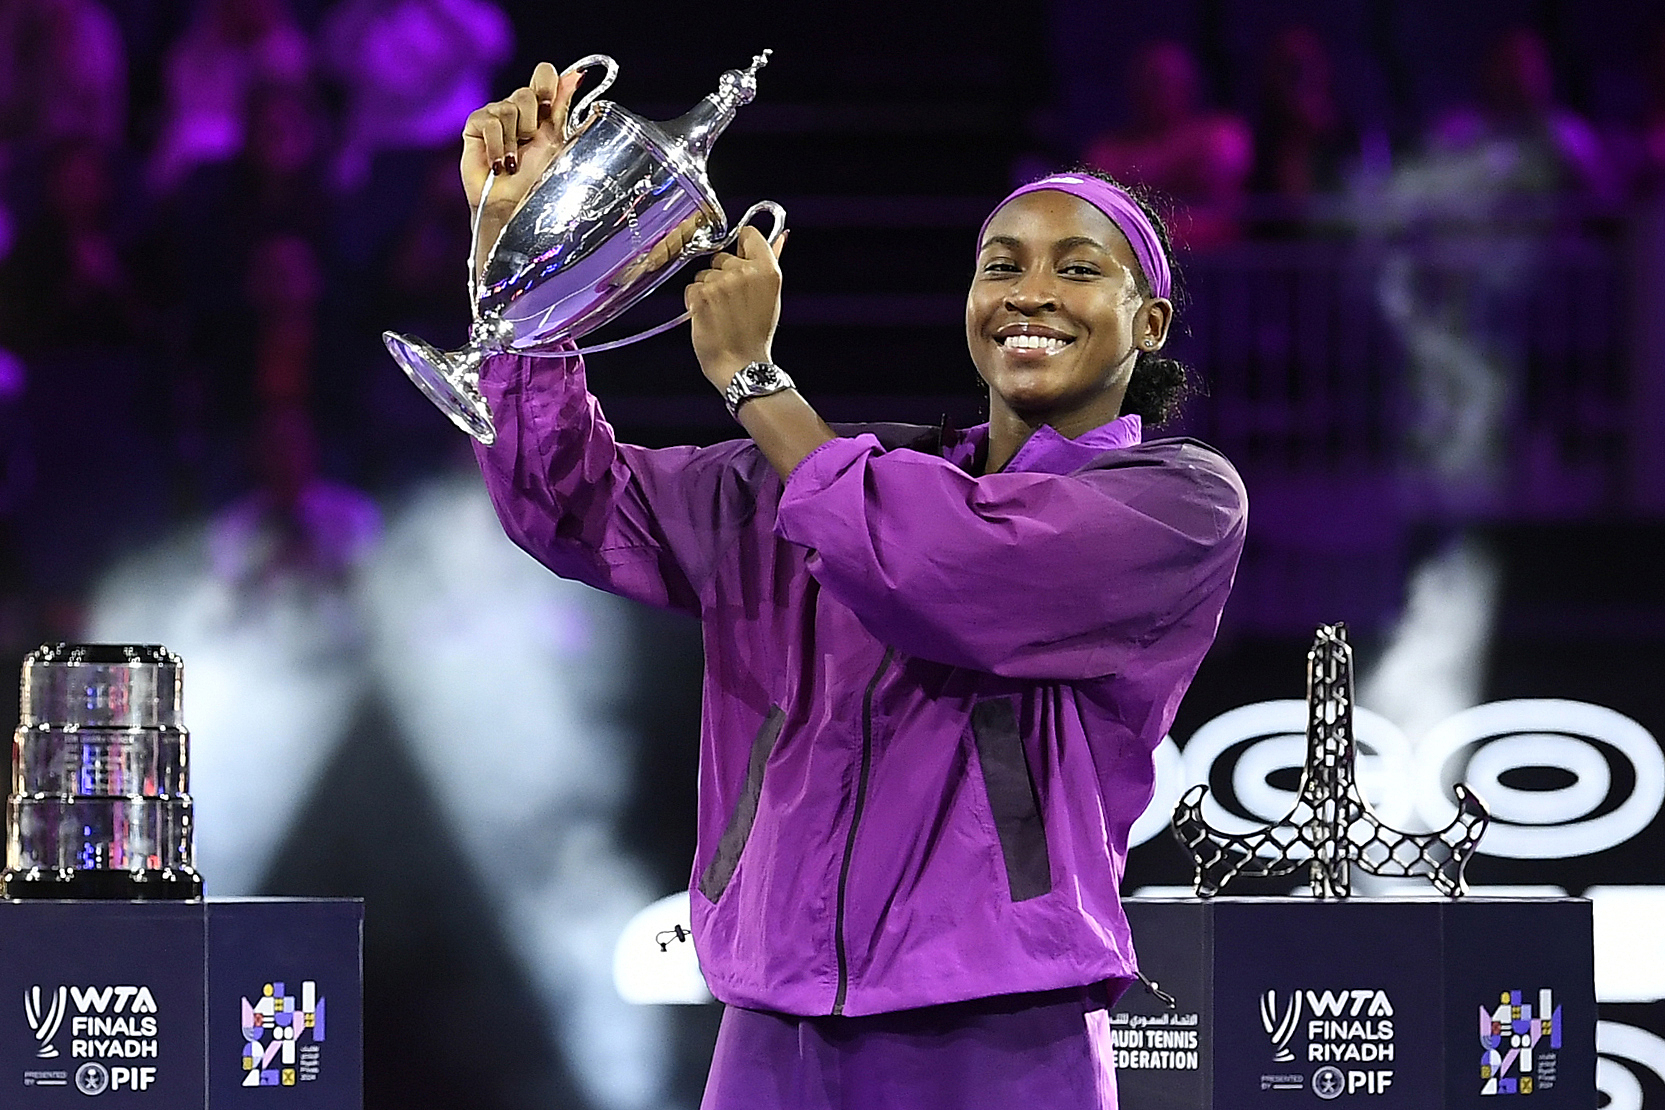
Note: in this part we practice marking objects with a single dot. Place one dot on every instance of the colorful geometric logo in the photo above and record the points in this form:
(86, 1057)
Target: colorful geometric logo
(1512, 1036)
(283, 1033)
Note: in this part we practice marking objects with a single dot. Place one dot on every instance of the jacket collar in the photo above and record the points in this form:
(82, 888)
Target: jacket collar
(1048, 451)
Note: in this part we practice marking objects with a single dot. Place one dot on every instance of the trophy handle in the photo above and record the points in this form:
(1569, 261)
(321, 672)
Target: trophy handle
(569, 130)
(701, 243)
(474, 248)
(573, 124)
(705, 240)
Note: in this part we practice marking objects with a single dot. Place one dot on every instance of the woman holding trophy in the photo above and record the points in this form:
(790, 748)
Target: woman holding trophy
(937, 663)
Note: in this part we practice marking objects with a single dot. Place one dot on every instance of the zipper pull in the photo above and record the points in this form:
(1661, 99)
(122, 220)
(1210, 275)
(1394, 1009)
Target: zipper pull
(1154, 988)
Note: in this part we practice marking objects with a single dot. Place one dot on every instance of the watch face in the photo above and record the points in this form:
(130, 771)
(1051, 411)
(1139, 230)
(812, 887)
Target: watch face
(755, 379)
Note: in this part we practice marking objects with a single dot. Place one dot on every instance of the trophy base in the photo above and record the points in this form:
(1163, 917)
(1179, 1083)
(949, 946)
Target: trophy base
(444, 378)
(92, 884)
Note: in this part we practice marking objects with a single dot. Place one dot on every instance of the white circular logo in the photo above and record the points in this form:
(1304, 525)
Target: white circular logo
(1251, 759)
(1169, 785)
(91, 1078)
(1327, 1082)
(1562, 778)
(1625, 1050)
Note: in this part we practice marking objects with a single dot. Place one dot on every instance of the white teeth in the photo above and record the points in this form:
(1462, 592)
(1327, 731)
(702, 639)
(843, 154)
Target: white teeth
(1034, 342)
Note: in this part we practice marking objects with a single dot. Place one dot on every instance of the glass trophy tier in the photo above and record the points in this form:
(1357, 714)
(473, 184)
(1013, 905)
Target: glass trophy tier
(100, 804)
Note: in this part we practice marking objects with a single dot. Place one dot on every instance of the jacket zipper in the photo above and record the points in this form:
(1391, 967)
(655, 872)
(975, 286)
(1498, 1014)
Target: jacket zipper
(855, 822)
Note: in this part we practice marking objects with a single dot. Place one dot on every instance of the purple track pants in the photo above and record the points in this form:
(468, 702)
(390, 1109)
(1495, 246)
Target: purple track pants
(1016, 1052)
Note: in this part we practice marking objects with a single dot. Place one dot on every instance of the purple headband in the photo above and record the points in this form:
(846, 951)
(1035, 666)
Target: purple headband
(1123, 211)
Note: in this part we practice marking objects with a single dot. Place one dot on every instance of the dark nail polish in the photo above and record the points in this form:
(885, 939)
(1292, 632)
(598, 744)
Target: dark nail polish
(510, 162)
(497, 166)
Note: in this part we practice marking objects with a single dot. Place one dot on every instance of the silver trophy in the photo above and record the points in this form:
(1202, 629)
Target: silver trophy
(579, 250)
(100, 804)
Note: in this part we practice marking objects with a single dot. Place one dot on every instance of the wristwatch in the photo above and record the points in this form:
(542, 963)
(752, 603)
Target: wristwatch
(755, 379)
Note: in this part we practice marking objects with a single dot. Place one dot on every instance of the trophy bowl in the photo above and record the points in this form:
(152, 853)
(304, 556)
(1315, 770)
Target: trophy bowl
(582, 247)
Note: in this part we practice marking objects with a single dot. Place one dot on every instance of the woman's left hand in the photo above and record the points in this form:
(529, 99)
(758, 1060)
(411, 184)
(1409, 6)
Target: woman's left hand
(736, 305)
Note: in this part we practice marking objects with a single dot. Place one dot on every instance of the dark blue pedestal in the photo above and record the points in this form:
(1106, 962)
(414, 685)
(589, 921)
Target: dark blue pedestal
(1377, 1004)
(176, 1005)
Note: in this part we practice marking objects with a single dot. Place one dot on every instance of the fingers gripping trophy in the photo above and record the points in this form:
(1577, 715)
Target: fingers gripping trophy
(580, 210)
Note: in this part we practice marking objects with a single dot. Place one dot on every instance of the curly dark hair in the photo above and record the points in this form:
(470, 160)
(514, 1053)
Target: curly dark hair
(1160, 386)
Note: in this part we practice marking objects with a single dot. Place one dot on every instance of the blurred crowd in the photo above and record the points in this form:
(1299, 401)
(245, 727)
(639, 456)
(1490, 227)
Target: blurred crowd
(210, 210)
(1303, 161)
(203, 210)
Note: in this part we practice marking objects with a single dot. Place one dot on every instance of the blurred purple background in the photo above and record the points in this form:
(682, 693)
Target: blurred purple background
(1424, 265)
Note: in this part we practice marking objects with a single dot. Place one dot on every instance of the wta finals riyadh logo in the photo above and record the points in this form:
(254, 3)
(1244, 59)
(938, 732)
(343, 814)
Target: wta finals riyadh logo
(283, 1034)
(1281, 1030)
(44, 1022)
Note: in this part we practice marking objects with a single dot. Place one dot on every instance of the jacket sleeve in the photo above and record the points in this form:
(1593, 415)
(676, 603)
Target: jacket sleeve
(1028, 575)
(645, 524)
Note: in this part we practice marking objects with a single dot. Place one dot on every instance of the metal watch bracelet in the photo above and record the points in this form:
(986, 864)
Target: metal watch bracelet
(754, 380)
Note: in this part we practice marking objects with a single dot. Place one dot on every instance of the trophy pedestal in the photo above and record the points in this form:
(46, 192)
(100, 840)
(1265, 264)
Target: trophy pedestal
(182, 1004)
(1375, 1002)
(142, 886)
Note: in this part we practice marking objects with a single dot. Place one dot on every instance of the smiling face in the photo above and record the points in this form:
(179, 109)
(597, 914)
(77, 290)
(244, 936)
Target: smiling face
(1055, 316)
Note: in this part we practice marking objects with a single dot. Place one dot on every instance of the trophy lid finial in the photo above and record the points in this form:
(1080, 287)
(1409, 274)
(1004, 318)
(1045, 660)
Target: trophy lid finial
(699, 128)
(739, 86)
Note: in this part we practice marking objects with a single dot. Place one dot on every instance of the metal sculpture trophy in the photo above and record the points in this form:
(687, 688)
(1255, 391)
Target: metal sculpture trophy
(1331, 827)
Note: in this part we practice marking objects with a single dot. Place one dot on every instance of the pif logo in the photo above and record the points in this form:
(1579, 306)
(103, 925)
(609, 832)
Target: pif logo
(44, 1020)
(93, 1078)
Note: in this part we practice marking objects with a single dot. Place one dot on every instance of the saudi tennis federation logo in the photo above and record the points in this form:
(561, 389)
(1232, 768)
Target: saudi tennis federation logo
(1280, 1029)
(44, 1017)
(283, 1035)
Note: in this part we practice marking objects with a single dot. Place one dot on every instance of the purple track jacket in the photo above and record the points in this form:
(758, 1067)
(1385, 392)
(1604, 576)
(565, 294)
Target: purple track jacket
(930, 698)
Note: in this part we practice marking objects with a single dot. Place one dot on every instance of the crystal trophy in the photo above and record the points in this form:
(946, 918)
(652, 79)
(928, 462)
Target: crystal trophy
(100, 804)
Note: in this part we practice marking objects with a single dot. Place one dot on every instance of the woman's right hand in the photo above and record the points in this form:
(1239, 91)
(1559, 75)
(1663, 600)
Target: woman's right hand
(517, 137)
